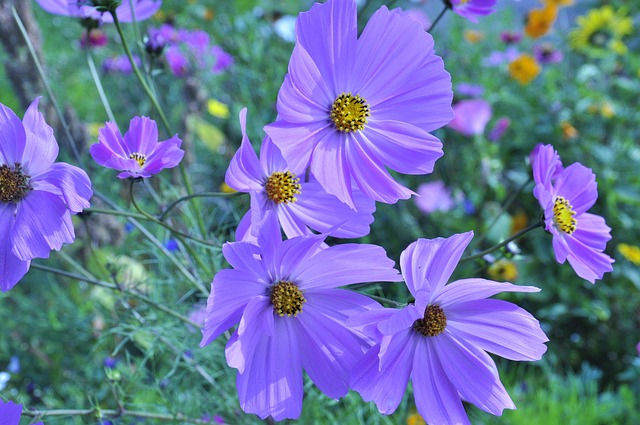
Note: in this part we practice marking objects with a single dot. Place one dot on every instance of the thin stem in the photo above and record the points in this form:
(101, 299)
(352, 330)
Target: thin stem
(112, 413)
(385, 300)
(98, 83)
(43, 77)
(117, 288)
(163, 224)
(503, 243)
(172, 205)
(114, 212)
(442, 12)
(163, 118)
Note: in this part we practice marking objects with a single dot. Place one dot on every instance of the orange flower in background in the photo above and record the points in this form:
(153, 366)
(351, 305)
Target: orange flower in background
(540, 21)
(473, 36)
(518, 222)
(503, 271)
(415, 419)
(568, 131)
(524, 69)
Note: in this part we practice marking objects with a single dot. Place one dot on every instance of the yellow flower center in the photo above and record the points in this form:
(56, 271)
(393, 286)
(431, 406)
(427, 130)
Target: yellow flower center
(286, 298)
(563, 215)
(14, 184)
(140, 159)
(349, 113)
(283, 187)
(433, 323)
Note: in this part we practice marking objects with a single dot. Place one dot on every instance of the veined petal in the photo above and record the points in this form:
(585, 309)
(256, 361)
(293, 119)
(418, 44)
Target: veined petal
(307, 92)
(297, 141)
(10, 412)
(464, 290)
(244, 173)
(329, 166)
(592, 231)
(401, 320)
(12, 269)
(545, 161)
(346, 264)
(577, 184)
(498, 327)
(166, 154)
(588, 263)
(110, 144)
(35, 234)
(271, 159)
(292, 256)
(41, 148)
(12, 137)
(142, 135)
(73, 184)
(437, 399)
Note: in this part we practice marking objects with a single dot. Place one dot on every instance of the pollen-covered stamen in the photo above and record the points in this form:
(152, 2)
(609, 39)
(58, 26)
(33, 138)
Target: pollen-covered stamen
(140, 159)
(563, 215)
(283, 187)
(14, 183)
(433, 323)
(349, 112)
(286, 298)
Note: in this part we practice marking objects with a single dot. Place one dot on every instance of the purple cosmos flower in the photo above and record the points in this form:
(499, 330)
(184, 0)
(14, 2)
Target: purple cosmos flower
(291, 316)
(30, 183)
(499, 128)
(545, 54)
(298, 205)
(10, 413)
(471, 116)
(142, 9)
(350, 107)
(138, 153)
(566, 194)
(471, 8)
(434, 196)
(440, 342)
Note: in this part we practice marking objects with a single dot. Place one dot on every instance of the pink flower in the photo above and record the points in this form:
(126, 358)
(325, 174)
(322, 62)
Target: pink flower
(471, 116)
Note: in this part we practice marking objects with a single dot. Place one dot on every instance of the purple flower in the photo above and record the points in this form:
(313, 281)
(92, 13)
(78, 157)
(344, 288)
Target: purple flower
(138, 153)
(508, 37)
(177, 61)
(351, 107)
(10, 413)
(497, 58)
(565, 194)
(291, 316)
(30, 183)
(298, 205)
(471, 116)
(499, 128)
(120, 64)
(434, 196)
(93, 38)
(472, 8)
(546, 53)
(469, 90)
(222, 59)
(440, 342)
(142, 9)
(110, 362)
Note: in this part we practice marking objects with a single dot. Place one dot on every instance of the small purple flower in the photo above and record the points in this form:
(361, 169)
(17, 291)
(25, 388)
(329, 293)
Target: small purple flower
(14, 365)
(499, 128)
(30, 183)
(83, 9)
(434, 196)
(177, 61)
(120, 64)
(469, 90)
(508, 37)
(440, 342)
(565, 195)
(93, 38)
(351, 107)
(298, 205)
(172, 245)
(470, 9)
(497, 58)
(546, 54)
(10, 413)
(138, 153)
(471, 116)
(110, 362)
(291, 316)
(222, 59)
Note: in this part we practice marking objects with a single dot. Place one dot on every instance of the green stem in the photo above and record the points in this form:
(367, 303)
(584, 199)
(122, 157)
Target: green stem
(163, 118)
(112, 413)
(386, 300)
(163, 224)
(503, 243)
(113, 287)
(114, 212)
(195, 195)
(433, 25)
(98, 83)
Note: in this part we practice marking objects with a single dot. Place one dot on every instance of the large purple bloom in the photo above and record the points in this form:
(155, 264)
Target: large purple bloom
(440, 342)
(142, 9)
(299, 205)
(37, 195)
(291, 316)
(566, 194)
(10, 413)
(138, 153)
(470, 9)
(351, 107)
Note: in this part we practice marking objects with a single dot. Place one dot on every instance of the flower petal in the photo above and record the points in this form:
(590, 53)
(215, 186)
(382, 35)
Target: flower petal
(464, 290)
(166, 154)
(330, 167)
(73, 184)
(244, 173)
(592, 231)
(142, 136)
(12, 269)
(12, 137)
(588, 263)
(577, 184)
(41, 148)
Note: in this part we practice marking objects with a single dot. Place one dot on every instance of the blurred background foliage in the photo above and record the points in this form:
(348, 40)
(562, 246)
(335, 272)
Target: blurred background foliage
(68, 344)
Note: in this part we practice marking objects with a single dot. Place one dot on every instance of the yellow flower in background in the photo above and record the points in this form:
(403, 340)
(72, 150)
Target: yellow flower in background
(600, 31)
(415, 419)
(568, 131)
(503, 271)
(607, 110)
(473, 36)
(630, 252)
(93, 128)
(518, 222)
(540, 21)
(524, 69)
(225, 188)
(558, 2)
(217, 109)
